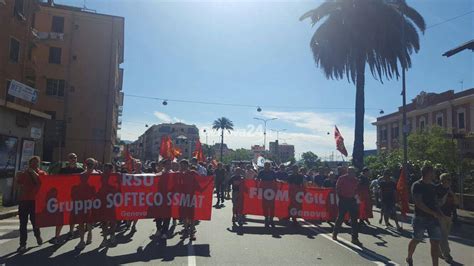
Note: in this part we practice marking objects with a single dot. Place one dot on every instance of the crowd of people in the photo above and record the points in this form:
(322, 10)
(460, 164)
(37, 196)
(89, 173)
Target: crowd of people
(433, 199)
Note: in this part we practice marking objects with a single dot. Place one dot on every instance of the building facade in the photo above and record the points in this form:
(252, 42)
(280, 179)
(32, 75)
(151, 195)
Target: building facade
(72, 58)
(183, 136)
(22, 122)
(281, 152)
(449, 110)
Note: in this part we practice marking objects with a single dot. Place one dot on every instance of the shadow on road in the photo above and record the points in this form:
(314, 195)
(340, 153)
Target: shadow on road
(154, 250)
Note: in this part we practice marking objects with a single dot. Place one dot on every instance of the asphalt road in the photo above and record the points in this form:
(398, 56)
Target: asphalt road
(219, 244)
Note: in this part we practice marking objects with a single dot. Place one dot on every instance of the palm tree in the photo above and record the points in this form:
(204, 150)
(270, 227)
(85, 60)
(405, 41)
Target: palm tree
(356, 33)
(223, 123)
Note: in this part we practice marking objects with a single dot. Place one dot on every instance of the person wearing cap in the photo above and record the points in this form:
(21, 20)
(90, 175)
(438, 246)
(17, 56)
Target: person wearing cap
(346, 189)
(28, 183)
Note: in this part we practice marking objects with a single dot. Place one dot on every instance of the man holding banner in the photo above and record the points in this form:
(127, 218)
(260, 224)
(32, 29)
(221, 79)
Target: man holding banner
(268, 177)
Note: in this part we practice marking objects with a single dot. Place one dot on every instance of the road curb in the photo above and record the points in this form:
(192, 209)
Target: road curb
(8, 214)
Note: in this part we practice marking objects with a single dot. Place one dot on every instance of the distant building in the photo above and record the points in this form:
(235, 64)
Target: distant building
(72, 58)
(282, 152)
(449, 110)
(217, 150)
(183, 136)
(257, 150)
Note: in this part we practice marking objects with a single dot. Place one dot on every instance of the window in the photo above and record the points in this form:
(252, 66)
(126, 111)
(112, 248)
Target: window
(14, 50)
(57, 24)
(395, 131)
(19, 7)
(461, 120)
(55, 87)
(383, 134)
(54, 55)
(422, 123)
(439, 120)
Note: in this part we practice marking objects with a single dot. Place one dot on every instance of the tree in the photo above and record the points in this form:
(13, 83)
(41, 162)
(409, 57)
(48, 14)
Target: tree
(238, 155)
(310, 160)
(223, 124)
(356, 33)
(208, 151)
(433, 145)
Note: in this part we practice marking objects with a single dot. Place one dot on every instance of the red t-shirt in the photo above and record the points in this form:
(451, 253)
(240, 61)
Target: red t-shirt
(28, 188)
(346, 186)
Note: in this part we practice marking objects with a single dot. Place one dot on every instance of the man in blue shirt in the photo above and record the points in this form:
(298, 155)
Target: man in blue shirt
(267, 174)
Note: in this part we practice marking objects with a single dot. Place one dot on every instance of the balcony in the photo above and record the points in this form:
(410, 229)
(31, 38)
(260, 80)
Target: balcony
(39, 35)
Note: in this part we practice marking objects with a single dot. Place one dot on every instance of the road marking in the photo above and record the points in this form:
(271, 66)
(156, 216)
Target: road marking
(348, 245)
(13, 227)
(191, 257)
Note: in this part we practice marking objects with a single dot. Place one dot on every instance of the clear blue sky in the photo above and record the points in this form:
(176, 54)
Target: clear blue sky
(257, 52)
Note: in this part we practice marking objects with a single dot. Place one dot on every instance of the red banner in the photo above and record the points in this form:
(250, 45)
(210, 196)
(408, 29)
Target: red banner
(282, 200)
(278, 199)
(72, 199)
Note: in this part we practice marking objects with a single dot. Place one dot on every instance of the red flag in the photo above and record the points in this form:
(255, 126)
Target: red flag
(176, 152)
(166, 148)
(402, 190)
(198, 153)
(128, 160)
(339, 141)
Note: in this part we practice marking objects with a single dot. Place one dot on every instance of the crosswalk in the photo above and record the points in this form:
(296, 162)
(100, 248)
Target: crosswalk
(10, 229)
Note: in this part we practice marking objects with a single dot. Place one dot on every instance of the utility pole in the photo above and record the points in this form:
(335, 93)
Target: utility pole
(264, 129)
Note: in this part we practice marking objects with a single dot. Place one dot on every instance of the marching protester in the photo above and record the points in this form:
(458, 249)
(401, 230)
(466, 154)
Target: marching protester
(200, 169)
(388, 199)
(219, 183)
(228, 175)
(235, 182)
(250, 173)
(108, 226)
(84, 191)
(71, 168)
(330, 181)
(267, 174)
(427, 215)
(346, 189)
(296, 179)
(132, 224)
(446, 200)
(282, 175)
(189, 224)
(162, 224)
(28, 183)
(364, 197)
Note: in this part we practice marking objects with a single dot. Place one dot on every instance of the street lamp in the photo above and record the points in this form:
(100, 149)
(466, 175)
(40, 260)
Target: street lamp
(205, 131)
(264, 128)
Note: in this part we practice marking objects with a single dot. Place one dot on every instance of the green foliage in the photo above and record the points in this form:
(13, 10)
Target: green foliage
(433, 146)
(238, 155)
(310, 160)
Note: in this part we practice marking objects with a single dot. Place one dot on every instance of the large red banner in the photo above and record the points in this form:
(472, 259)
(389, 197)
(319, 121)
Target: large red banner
(282, 200)
(71, 199)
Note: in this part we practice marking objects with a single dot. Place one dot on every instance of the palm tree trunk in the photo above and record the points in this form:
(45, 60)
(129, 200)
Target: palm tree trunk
(358, 152)
(222, 143)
